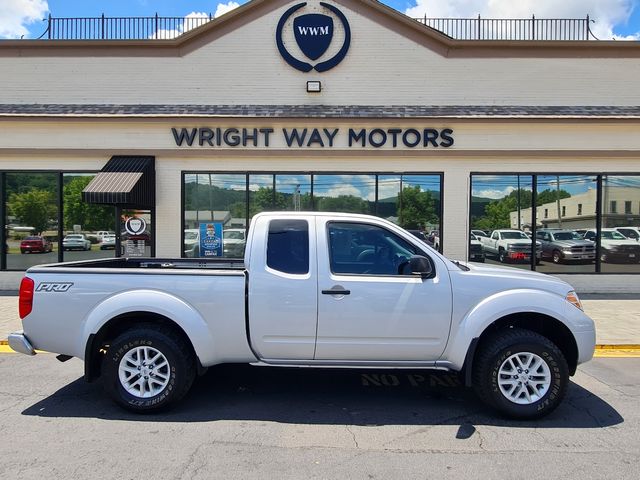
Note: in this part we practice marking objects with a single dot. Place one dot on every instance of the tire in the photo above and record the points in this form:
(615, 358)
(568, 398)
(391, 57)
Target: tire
(499, 353)
(556, 257)
(502, 256)
(171, 381)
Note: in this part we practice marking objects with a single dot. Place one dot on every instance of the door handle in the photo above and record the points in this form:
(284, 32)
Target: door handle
(336, 291)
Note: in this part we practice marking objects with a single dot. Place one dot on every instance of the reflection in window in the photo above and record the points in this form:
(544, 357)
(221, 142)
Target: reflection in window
(571, 203)
(293, 193)
(262, 196)
(620, 241)
(499, 203)
(94, 223)
(416, 209)
(209, 199)
(345, 193)
(31, 211)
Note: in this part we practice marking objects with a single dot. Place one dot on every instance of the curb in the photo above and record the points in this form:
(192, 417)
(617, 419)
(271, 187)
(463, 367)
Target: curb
(622, 346)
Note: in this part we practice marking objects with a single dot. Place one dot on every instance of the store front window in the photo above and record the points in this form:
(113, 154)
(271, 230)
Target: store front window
(566, 226)
(89, 229)
(501, 220)
(216, 200)
(46, 220)
(32, 217)
(620, 235)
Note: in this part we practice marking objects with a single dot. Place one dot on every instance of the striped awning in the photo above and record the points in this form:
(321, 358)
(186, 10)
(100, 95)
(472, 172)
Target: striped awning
(126, 181)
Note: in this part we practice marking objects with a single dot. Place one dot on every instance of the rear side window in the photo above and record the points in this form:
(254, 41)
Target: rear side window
(288, 246)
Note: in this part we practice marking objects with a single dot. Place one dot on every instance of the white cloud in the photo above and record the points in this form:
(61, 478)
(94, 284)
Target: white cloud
(191, 21)
(225, 7)
(15, 15)
(493, 193)
(606, 13)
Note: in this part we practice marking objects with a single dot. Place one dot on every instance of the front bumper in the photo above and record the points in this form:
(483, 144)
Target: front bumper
(21, 344)
(567, 255)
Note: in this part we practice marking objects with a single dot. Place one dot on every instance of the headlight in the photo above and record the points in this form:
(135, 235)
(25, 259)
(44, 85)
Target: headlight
(572, 298)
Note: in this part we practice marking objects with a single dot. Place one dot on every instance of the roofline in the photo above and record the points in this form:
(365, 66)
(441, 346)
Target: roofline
(415, 30)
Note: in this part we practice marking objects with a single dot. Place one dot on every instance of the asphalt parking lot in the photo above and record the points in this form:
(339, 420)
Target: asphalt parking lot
(257, 422)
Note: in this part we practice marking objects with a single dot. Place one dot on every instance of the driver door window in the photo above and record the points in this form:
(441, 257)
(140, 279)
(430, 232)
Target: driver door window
(361, 249)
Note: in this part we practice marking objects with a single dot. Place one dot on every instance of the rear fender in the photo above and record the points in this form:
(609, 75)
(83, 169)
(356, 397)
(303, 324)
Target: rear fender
(156, 302)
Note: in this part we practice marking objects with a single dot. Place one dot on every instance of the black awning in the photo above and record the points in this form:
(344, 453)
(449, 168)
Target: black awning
(126, 181)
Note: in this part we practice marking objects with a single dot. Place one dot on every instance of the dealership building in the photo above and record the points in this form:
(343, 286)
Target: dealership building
(344, 105)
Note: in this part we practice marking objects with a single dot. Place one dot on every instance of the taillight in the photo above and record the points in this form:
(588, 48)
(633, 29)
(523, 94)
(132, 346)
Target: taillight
(25, 299)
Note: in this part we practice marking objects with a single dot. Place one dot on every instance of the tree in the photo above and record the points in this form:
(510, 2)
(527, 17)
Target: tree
(417, 208)
(35, 208)
(551, 195)
(343, 203)
(77, 212)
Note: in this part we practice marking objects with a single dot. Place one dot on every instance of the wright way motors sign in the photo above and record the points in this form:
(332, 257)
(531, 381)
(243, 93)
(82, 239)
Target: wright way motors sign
(313, 137)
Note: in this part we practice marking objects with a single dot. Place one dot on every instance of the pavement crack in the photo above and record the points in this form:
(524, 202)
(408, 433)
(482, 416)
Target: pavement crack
(353, 435)
(191, 461)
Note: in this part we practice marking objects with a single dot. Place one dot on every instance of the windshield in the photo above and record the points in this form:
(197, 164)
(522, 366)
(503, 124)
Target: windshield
(613, 236)
(32, 238)
(514, 236)
(233, 235)
(567, 236)
(74, 237)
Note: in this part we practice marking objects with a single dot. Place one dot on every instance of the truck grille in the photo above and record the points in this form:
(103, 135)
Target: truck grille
(476, 248)
(585, 249)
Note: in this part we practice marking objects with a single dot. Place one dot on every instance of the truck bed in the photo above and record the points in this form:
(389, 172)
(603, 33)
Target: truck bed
(144, 263)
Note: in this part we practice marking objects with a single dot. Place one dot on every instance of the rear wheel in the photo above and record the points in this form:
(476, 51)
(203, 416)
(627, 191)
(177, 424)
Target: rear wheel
(521, 374)
(148, 368)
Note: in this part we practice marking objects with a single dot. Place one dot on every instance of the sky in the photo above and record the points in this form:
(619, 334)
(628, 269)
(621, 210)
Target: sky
(619, 19)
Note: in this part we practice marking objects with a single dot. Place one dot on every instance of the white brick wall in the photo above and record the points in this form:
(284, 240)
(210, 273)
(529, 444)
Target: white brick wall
(382, 67)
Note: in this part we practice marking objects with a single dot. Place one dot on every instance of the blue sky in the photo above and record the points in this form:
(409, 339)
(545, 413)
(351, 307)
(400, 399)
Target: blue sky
(619, 18)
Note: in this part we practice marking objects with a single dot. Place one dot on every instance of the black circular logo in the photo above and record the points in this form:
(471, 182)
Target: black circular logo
(313, 33)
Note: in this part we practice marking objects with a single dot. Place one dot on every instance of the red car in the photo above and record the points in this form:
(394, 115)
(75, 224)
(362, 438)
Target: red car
(35, 244)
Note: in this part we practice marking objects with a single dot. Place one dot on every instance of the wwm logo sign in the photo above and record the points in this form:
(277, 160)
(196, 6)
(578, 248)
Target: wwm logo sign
(314, 30)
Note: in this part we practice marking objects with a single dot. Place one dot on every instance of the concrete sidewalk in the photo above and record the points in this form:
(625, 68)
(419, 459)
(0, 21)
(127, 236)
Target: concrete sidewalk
(617, 318)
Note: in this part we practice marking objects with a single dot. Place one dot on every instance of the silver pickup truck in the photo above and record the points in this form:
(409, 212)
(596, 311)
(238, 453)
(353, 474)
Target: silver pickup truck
(314, 289)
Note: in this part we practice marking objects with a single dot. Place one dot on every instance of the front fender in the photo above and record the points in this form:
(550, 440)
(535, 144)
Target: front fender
(152, 301)
(509, 302)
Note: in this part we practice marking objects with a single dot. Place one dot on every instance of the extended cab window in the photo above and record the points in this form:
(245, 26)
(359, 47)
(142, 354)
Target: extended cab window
(358, 248)
(288, 246)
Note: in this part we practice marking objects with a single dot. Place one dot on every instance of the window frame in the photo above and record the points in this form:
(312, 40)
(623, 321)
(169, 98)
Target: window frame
(308, 232)
(377, 275)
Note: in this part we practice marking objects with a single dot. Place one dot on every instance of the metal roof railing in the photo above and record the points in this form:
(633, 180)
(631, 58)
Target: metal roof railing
(164, 28)
(518, 29)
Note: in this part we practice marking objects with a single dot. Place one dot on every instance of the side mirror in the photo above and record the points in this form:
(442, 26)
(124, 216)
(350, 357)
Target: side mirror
(420, 265)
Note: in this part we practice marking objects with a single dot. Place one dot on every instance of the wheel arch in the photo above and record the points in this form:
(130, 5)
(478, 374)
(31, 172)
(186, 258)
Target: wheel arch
(540, 323)
(99, 341)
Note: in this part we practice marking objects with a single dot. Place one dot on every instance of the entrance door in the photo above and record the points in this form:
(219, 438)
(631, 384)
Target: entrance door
(377, 313)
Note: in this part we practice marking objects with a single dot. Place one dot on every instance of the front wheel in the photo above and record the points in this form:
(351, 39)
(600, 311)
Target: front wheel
(502, 256)
(148, 368)
(521, 374)
(557, 258)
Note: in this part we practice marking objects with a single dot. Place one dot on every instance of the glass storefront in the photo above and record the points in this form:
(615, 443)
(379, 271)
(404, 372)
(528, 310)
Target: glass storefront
(46, 220)
(581, 223)
(409, 200)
